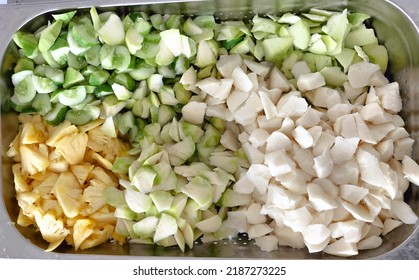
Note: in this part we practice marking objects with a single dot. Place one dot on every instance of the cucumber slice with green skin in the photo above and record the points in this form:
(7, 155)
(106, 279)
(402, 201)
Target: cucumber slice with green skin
(142, 26)
(72, 77)
(25, 91)
(64, 17)
(84, 35)
(142, 72)
(43, 84)
(21, 107)
(103, 90)
(72, 96)
(57, 114)
(148, 50)
(133, 40)
(56, 75)
(106, 56)
(98, 78)
(92, 55)
(83, 116)
(20, 76)
(112, 106)
(59, 51)
(76, 62)
(121, 92)
(125, 80)
(126, 122)
(49, 35)
(24, 64)
(28, 43)
(121, 58)
(112, 31)
(42, 104)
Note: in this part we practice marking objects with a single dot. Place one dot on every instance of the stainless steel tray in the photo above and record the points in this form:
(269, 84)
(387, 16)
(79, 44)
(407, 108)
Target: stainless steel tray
(394, 27)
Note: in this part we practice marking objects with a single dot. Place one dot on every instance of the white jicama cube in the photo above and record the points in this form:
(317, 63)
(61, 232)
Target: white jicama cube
(390, 224)
(306, 82)
(287, 237)
(236, 220)
(316, 234)
(268, 106)
(259, 230)
(209, 85)
(241, 80)
(303, 137)
(343, 149)
(319, 199)
(292, 106)
(299, 68)
(253, 154)
(341, 248)
(278, 80)
(390, 97)
(235, 99)
(410, 170)
(351, 193)
(279, 163)
(261, 69)
(298, 219)
(359, 74)
(371, 242)
(402, 211)
(260, 176)
(267, 243)
(227, 63)
(278, 140)
(253, 214)
(323, 164)
(194, 112)
(310, 118)
(282, 198)
(258, 137)
(326, 97)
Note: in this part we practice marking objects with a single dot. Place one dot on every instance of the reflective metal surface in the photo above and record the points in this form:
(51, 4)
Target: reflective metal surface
(394, 29)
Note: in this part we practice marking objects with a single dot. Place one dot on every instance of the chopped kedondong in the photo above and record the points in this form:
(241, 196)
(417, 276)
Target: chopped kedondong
(284, 127)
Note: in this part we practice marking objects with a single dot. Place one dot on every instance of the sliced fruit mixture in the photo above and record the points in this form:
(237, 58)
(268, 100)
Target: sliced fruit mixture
(284, 127)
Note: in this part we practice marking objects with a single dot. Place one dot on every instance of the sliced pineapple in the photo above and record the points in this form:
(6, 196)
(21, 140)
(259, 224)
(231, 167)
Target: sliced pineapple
(44, 187)
(23, 220)
(91, 125)
(13, 151)
(52, 205)
(52, 229)
(69, 194)
(101, 234)
(73, 147)
(97, 139)
(81, 172)
(59, 132)
(95, 157)
(30, 135)
(101, 175)
(82, 229)
(19, 179)
(93, 195)
(32, 161)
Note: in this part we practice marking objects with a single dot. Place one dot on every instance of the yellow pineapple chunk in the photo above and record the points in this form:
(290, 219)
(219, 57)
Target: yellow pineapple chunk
(97, 139)
(23, 220)
(52, 229)
(30, 135)
(73, 147)
(62, 130)
(104, 215)
(91, 125)
(100, 174)
(81, 172)
(69, 194)
(52, 205)
(93, 195)
(13, 150)
(82, 229)
(44, 187)
(21, 184)
(32, 161)
(101, 233)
